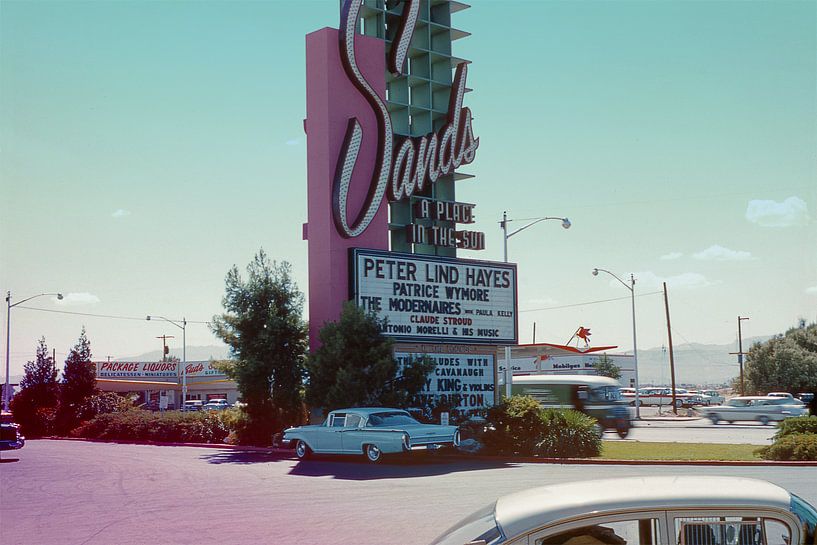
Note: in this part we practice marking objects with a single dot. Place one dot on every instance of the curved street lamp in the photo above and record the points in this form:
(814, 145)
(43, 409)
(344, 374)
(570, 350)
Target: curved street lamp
(7, 388)
(183, 327)
(505, 236)
(631, 287)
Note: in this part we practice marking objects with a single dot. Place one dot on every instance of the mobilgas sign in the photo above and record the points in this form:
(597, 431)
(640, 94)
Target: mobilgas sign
(434, 299)
(406, 165)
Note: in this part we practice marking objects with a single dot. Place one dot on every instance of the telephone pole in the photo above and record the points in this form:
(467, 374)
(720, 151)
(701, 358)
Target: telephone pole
(671, 357)
(164, 345)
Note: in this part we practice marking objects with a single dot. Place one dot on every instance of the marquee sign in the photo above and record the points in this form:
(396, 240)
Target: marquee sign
(434, 299)
(464, 380)
(404, 165)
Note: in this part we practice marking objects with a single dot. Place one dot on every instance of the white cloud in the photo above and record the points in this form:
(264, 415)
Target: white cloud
(120, 213)
(719, 253)
(77, 299)
(672, 256)
(648, 280)
(792, 211)
(812, 290)
(293, 142)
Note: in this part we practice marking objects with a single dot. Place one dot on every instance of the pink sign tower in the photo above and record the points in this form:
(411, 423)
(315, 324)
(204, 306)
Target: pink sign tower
(331, 101)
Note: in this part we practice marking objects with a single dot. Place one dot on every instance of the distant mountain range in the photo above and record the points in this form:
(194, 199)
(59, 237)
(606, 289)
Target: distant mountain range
(194, 353)
(695, 364)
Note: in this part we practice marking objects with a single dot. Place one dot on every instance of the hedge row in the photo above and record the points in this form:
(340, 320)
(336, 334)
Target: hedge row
(801, 424)
(797, 446)
(519, 426)
(796, 439)
(171, 426)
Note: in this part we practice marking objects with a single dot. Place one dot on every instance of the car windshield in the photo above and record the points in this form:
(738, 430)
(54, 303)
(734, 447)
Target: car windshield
(480, 527)
(739, 402)
(390, 419)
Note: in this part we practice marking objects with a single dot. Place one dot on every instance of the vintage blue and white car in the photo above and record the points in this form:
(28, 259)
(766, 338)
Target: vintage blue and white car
(682, 510)
(371, 431)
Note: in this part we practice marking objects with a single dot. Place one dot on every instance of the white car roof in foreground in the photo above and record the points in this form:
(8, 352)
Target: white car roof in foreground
(534, 508)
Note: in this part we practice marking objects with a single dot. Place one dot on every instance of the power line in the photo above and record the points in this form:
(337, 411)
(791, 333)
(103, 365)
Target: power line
(112, 316)
(700, 354)
(591, 302)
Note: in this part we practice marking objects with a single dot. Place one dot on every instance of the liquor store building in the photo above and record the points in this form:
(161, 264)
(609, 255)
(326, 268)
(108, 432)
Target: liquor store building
(161, 383)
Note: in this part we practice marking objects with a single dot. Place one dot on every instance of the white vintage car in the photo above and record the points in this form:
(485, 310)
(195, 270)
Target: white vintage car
(763, 409)
(370, 431)
(682, 510)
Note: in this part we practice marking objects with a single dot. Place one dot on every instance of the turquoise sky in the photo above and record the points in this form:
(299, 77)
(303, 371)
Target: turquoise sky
(148, 146)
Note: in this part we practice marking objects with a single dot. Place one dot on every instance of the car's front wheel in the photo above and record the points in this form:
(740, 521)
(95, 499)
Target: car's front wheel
(764, 420)
(302, 450)
(373, 453)
(714, 418)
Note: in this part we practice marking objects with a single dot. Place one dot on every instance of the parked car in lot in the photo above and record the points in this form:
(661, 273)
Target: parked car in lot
(657, 396)
(216, 405)
(371, 431)
(712, 397)
(192, 405)
(683, 510)
(763, 409)
(10, 437)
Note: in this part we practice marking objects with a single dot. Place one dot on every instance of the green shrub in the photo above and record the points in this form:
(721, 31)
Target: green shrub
(800, 424)
(35, 418)
(515, 426)
(568, 434)
(520, 426)
(797, 446)
(139, 425)
(235, 419)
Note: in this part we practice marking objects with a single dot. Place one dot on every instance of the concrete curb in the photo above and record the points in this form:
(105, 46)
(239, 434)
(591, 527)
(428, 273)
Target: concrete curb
(474, 457)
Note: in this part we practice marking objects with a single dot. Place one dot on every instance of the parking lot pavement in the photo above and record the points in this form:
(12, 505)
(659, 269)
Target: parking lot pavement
(75, 493)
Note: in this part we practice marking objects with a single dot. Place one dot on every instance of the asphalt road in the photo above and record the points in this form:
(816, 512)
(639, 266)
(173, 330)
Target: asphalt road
(98, 493)
(698, 431)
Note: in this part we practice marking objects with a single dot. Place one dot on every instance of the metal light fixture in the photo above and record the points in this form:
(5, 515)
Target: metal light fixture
(183, 327)
(631, 287)
(7, 387)
(506, 235)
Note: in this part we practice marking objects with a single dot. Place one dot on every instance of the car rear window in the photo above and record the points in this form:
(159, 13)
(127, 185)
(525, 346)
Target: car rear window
(390, 419)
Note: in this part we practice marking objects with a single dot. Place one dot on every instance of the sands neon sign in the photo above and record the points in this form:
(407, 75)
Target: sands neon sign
(407, 166)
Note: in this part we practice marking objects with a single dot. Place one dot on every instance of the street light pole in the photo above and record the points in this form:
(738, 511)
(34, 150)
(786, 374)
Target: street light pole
(505, 236)
(630, 287)
(9, 306)
(740, 353)
(183, 327)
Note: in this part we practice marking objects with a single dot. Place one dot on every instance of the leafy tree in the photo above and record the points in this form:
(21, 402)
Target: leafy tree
(78, 383)
(784, 363)
(355, 366)
(78, 375)
(267, 335)
(606, 368)
(34, 407)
